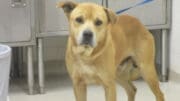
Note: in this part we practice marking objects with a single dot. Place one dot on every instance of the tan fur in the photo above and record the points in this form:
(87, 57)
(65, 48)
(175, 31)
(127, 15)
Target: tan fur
(117, 38)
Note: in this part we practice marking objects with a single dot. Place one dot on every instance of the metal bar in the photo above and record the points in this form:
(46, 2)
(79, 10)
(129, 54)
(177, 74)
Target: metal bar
(30, 70)
(164, 55)
(41, 65)
(16, 68)
(13, 63)
(20, 61)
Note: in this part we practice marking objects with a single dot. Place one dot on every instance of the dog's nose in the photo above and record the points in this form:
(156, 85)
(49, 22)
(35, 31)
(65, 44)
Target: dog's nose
(87, 34)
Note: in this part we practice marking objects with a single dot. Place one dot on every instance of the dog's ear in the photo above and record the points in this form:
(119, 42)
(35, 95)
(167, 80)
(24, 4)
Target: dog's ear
(67, 6)
(110, 15)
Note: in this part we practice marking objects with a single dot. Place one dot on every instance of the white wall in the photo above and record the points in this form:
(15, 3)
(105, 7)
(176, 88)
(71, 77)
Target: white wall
(175, 38)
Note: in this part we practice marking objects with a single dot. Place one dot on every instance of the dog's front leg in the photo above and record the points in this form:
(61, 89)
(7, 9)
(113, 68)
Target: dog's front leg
(110, 91)
(80, 90)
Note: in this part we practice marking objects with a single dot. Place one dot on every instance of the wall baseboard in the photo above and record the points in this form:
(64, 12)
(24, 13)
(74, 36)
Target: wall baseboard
(174, 76)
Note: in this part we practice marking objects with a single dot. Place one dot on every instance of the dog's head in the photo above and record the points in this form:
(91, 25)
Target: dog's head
(88, 22)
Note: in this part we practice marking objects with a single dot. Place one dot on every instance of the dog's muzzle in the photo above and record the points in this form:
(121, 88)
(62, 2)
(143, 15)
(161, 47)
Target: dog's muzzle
(87, 38)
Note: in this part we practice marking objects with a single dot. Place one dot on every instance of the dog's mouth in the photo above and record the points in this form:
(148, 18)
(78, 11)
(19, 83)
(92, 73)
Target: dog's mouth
(87, 43)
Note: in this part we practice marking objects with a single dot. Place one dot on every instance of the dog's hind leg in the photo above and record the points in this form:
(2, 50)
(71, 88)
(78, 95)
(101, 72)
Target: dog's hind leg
(129, 87)
(124, 76)
(145, 61)
(146, 65)
(149, 75)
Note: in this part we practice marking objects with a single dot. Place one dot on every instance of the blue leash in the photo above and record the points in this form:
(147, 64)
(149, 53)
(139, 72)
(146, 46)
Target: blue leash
(139, 4)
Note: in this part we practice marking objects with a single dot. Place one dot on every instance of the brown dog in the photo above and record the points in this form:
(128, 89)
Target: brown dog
(104, 48)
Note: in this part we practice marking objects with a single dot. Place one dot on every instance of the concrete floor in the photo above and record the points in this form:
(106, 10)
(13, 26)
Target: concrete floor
(59, 88)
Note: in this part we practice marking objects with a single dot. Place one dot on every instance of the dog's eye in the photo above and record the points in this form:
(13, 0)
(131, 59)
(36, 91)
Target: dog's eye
(98, 22)
(79, 20)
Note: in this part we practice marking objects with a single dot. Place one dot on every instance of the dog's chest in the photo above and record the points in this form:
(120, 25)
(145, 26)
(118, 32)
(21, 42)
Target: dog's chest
(87, 72)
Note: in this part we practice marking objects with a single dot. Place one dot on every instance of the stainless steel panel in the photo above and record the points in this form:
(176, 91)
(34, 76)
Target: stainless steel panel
(153, 13)
(18, 3)
(15, 22)
(53, 19)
